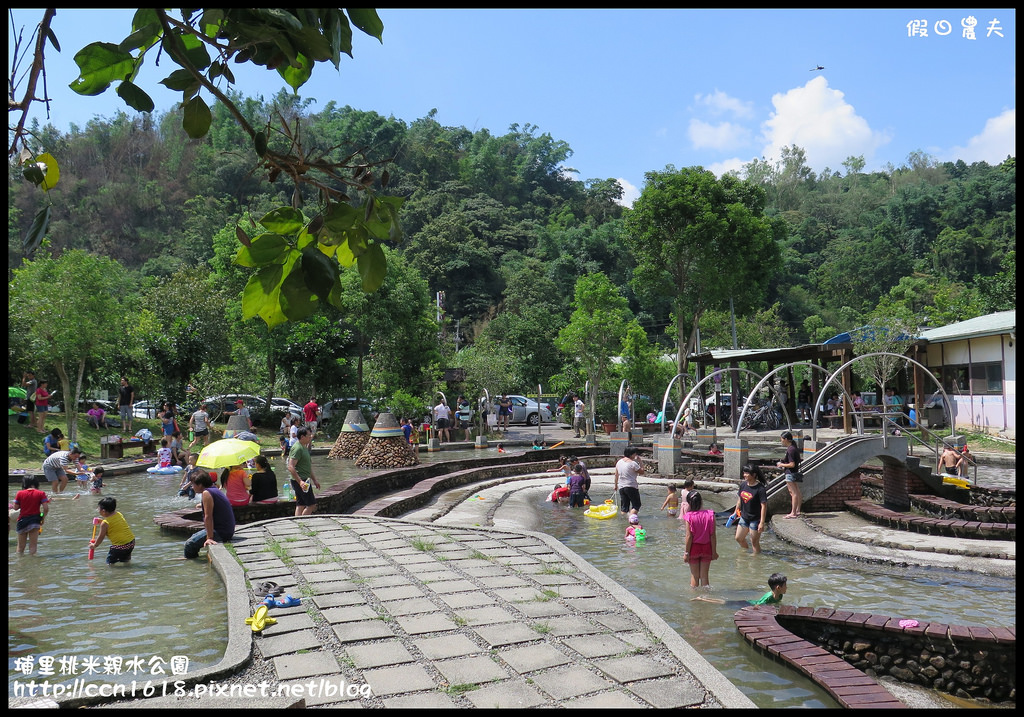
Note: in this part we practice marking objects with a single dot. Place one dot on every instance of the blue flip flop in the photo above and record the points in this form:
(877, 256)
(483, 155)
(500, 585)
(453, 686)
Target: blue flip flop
(288, 601)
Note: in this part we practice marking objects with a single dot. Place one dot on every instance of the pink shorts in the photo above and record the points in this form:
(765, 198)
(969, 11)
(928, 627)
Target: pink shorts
(700, 552)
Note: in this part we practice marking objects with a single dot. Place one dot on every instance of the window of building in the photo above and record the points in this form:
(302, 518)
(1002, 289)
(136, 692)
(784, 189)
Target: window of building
(977, 379)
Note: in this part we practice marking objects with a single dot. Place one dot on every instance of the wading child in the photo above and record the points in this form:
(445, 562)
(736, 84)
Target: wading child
(97, 480)
(114, 526)
(671, 500)
(562, 467)
(577, 490)
(33, 505)
(684, 506)
(752, 507)
(634, 525)
(701, 542)
(777, 583)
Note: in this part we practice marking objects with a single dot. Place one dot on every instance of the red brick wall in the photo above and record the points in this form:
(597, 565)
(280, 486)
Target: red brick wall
(834, 497)
(894, 487)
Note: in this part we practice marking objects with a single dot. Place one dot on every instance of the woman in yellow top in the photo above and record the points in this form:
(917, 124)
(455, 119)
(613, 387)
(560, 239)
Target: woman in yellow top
(114, 526)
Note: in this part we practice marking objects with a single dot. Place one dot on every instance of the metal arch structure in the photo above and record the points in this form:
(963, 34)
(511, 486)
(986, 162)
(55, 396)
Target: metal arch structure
(771, 373)
(700, 383)
(664, 400)
(618, 406)
(907, 359)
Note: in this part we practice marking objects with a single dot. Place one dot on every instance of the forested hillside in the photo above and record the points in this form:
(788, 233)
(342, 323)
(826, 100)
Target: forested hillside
(500, 224)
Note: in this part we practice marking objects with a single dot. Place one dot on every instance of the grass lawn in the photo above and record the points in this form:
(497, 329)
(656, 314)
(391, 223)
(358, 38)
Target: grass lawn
(25, 444)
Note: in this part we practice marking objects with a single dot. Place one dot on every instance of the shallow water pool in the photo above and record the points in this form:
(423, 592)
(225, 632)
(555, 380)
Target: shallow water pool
(654, 572)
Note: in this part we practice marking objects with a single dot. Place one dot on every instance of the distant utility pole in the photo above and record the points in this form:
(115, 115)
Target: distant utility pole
(458, 323)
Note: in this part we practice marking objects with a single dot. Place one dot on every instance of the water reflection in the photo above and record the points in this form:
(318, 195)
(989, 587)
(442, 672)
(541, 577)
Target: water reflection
(654, 572)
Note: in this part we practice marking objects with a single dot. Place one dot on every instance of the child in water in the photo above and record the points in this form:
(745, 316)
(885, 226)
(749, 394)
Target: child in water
(684, 506)
(634, 526)
(501, 448)
(671, 500)
(97, 480)
(701, 542)
(777, 583)
(114, 526)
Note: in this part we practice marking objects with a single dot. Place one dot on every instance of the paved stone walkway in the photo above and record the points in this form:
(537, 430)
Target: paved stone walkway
(434, 616)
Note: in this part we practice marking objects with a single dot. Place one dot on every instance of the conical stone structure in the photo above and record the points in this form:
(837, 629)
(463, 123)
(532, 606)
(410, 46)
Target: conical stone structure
(353, 436)
(236, 424)
(387, 447)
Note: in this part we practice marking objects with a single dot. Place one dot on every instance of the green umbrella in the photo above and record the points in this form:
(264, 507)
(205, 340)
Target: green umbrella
(16, 392)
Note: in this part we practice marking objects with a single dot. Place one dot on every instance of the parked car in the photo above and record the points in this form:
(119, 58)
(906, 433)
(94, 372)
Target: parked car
(285, 405)
(216, 406)
(525, 410)
(340, 406)
(141, 409)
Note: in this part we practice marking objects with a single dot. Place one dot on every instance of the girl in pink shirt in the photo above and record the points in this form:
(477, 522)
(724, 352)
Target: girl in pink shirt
(701, 542)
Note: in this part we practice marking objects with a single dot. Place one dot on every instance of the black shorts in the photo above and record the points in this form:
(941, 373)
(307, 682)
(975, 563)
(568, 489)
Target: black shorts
(204, 432)
(303, 497)
(442, 423)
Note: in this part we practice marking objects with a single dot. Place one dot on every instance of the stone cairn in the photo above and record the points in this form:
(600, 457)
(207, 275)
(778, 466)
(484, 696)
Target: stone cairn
(387, 447)
(353, 436)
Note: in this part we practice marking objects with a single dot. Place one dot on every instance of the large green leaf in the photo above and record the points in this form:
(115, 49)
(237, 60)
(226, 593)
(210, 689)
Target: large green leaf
(35, 234)
(296, 300)
(181, 81)
(373, 266)
(296, 77)
(283, 220)
(134, 97)
(52, 174)
(265, 249)
(99, 64)
(196, 118)
(367, 20)
(321, 271)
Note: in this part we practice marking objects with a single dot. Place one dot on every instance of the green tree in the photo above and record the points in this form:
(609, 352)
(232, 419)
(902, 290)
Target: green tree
(885, 333)
(596, 328)
(700, 241)
(291, 41)
(69, 307)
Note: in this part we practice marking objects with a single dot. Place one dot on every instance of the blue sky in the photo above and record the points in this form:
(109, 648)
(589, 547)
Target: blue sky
(631, 91)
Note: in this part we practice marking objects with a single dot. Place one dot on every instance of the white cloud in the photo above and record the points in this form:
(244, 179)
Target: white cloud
(720, 168)
(818, 119)
(720, 103)
(997, 140)
(629, 193)
(722, 136)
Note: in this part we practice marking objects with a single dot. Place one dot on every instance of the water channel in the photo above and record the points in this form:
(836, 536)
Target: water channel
(62, 605)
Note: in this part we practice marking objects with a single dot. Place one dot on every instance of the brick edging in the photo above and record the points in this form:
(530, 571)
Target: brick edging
(953, 528)
(850, 687)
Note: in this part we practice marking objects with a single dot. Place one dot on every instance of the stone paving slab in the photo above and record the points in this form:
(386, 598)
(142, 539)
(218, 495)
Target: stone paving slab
(438, 648)
(567, 683)
(379, 654)
(271, 646)
(511, 694)
(472, 670)
(531, 658)
(290, 667)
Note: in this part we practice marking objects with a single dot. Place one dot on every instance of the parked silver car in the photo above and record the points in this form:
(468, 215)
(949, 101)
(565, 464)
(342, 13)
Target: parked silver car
(525, 410)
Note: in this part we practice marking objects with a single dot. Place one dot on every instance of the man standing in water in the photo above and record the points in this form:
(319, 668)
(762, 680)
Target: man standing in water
(300, 466)
(791, 465)
(626, 472)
